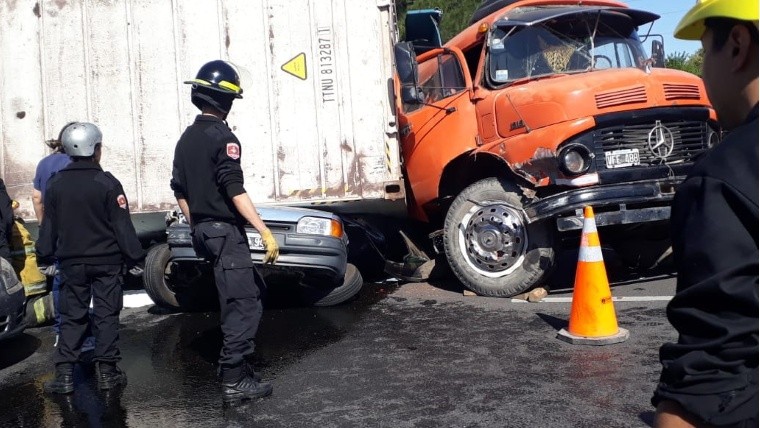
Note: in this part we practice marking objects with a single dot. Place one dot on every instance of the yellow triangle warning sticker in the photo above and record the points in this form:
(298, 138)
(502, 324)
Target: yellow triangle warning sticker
(296, 66)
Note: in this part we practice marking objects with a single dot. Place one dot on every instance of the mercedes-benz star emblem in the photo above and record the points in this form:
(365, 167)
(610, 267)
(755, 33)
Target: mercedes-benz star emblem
(660, 141)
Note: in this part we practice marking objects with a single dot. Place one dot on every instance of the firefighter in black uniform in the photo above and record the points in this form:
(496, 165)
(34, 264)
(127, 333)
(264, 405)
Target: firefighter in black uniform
(6, 222)
(208, 183)
(709, 376)
(88, 230)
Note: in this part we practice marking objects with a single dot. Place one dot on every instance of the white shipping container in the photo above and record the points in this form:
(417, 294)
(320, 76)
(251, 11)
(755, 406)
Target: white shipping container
(316, 122)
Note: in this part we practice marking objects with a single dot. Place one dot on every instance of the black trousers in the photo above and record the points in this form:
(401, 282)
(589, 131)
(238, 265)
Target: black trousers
(102, 284)
(239, 284)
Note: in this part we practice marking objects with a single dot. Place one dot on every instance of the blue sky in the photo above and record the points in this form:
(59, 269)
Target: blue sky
(670, 11)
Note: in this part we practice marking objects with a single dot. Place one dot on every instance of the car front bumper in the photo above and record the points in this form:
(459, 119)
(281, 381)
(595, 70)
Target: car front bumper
(320, 260)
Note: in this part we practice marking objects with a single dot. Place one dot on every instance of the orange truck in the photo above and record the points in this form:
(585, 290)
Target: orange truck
(537, 109)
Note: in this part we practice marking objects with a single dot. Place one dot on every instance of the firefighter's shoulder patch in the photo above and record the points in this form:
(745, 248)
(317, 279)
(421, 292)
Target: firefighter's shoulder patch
(233, 150)
(122, 201)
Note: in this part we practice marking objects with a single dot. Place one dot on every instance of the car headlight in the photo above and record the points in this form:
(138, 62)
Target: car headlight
(575, 159)
(320, 226)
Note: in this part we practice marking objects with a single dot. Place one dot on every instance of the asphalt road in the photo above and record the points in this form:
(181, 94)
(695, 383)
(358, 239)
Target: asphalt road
(411, 355)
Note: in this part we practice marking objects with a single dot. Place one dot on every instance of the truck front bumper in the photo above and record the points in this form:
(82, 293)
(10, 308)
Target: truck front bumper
(319, 260)
(626, 203)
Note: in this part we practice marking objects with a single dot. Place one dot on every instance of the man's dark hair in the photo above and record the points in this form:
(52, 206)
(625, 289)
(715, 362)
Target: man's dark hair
(722, 28)
(56, 144)
(86, 158)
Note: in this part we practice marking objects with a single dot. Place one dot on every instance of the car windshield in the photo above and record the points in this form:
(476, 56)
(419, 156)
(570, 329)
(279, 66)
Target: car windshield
(542, 50)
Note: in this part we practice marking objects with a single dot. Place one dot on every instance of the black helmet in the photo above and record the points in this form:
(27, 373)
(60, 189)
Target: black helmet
(217, 84)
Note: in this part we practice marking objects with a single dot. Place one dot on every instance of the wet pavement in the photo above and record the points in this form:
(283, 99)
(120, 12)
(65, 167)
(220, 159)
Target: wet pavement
(415, 355)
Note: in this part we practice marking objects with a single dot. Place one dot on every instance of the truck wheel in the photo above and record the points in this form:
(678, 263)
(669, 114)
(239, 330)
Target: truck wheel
(156, 275)
(489, 245)
(352, 284)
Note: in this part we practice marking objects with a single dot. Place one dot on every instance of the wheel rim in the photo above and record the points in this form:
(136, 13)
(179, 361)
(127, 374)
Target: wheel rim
(177, 279)
(493, 239)
(170, 276)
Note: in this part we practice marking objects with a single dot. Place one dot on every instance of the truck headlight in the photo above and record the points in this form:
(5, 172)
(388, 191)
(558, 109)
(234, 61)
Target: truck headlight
(320, 226)
(713, 138)
(575, 159)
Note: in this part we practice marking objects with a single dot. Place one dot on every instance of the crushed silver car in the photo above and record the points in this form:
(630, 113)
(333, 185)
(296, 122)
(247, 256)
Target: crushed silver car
(313, 256)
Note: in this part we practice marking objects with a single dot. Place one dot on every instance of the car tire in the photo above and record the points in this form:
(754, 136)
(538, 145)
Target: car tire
(489, 246)
(155, 277)
(352, 284)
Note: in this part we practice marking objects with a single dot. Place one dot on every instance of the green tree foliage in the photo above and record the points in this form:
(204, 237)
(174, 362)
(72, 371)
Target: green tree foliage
(686, 62)
(456, 13)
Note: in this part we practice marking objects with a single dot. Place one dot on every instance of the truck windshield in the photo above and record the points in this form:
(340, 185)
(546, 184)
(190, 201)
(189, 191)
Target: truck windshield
(525, 52)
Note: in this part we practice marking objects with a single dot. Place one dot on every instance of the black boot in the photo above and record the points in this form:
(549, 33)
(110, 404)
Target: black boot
(248, 369)
(64, 380)
(238, 385)
(69, 414)
(109, 375)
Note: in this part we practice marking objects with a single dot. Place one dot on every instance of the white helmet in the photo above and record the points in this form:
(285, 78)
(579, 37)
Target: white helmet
(80, 139)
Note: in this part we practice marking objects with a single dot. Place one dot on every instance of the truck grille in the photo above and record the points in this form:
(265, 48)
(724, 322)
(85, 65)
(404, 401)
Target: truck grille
(690, 138)
(633, 95)
(674, 91)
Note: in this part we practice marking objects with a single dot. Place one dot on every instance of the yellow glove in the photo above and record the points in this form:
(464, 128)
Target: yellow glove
(273, 250)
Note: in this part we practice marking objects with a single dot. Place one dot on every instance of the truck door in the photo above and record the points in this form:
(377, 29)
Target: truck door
(437, 117)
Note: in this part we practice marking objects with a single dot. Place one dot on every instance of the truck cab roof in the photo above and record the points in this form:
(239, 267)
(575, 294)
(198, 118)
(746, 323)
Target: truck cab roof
(531, 15)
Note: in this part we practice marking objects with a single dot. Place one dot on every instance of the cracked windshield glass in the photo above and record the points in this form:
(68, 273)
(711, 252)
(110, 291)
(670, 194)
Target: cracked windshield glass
(561, 46)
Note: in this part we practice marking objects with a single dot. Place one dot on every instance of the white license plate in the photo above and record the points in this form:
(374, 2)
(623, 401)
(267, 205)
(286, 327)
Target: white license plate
(621, 158)
(254, 241)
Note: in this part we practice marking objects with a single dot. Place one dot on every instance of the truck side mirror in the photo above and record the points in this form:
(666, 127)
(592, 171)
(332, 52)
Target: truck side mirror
(658, 54)
(406, 68)
(410, 95)
(422, 29)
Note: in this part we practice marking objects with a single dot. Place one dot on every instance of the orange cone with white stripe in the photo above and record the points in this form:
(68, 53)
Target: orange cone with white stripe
(592, 315)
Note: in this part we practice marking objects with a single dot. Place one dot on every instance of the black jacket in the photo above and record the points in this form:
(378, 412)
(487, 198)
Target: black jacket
(87, 219)
(6, 222)
(206, 170)
(712, 369)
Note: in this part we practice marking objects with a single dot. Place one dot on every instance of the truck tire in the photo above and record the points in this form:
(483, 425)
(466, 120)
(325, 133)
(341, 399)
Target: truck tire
(155, 277)
(352, 284)
(488, 244)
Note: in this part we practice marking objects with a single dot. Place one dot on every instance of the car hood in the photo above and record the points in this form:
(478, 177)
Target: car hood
(286, 214)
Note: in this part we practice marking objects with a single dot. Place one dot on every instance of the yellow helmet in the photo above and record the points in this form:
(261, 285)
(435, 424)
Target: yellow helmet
(692, 25)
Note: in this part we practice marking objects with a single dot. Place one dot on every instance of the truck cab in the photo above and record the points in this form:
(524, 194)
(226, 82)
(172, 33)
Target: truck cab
(537, 109)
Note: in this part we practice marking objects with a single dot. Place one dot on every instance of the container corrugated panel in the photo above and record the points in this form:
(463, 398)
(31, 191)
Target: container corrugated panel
(316, 121)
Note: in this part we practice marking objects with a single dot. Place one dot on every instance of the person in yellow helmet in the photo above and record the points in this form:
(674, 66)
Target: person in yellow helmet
(709, 376)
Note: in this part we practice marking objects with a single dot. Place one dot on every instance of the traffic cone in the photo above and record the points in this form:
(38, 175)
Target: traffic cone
(592, 315)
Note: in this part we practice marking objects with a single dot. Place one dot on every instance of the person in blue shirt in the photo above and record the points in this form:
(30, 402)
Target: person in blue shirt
(48, 166)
